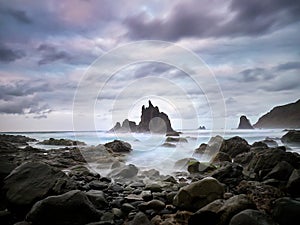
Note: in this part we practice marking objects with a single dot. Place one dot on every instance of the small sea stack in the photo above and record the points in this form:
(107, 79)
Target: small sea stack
(244, 123)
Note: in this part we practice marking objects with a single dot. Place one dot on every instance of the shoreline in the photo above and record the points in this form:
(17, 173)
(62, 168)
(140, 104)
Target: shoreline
(241, 176)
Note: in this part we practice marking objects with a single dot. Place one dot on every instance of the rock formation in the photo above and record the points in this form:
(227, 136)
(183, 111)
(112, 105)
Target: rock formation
(151, 120)
(285, 116)
(244, 123)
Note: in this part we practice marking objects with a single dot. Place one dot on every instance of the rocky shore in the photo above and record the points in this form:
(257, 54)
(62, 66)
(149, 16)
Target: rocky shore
(243, 184)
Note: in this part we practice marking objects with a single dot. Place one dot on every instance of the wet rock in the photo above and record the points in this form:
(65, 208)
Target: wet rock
(176, 139)
(97, 198)
(197, 167)
(140, 218)
(182, 164)
(29, 183)
(62, 142)
(98, 185)
(16, 140)
(230, 174)
(198, 194)
(250, 217)
(127, 208)
(293, 185)
(118, 146)
(235, 146)
(286, 211)
(153, 204)
(259, 144)
(71, 208)
(293, 136)
(243, 158)
(221, 157)
(261, 194)
(281, 171)
(201, 149)
(168, 145)
(234, 205)
(127, 171)
(154, 187)
(270, 142)
(173, 134)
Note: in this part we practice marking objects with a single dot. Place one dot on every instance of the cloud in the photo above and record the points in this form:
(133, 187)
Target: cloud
(20, 16)
(288, 66)
(51, 54)
(9, 55)
(201, 19)
(255, 75)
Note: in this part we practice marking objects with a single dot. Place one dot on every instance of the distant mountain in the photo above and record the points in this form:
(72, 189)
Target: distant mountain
(285, 116)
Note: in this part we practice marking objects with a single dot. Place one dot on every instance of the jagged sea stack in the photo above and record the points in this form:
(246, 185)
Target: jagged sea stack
(151, 120)
(244, 123)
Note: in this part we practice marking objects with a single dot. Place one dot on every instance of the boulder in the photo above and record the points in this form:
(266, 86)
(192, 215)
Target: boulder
(140, 218)
(234, 205)
(229, 173)
(281, 171)
(127, 171)
(97, 198)
(293, 185)
(221, 211)
(118, 146)
(264, 161)
(286, 211)
(244, 123)
(153, 204)
(244, 158)
(251, 217)
(293, 136)
(221, 157)
(198, 194)
(198, 167)
(29, 183)
(235, 146)
(201, 149)
(71, 208)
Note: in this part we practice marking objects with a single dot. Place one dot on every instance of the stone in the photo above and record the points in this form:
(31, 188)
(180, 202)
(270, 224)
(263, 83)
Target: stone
(251, 217)
(281, 171)
(62, 142)
(221, 157)
(261, 194)
(286, 211)
(229, 173)
(292, 136)
(127, 171)
(29, 183)
(244, 123)
(168, 145)
(118, 146)
(98, 185)
(234, 146)
(201, 149)
(234, 205)
(127, 208)
(293, 185)
(153, 204)
(270, 142)
(198, 194)
(176, 139)
(97, 198)
(71, 208)
(139, 219)
(198, 167)
(243, 158)
(153, 187)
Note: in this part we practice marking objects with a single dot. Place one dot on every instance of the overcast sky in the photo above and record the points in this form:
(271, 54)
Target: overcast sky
(251, 48)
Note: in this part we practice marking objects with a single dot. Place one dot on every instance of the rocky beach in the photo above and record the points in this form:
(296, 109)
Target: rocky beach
(242, 184)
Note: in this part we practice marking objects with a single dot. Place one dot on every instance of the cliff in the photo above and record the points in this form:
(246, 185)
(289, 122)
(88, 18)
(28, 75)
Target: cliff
(285, 116)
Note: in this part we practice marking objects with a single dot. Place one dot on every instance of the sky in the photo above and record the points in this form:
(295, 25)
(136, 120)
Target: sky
(55, 55)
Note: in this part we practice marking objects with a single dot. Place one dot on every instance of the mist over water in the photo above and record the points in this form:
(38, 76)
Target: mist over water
(148, 152)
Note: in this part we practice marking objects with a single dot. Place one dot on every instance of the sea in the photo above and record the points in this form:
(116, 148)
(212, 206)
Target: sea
(148, 150)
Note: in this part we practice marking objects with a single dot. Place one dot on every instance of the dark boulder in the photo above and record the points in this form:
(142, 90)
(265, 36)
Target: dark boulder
(281, 171)
(71, 208)
(251, 217)
(229, 174)
(221, 157)
(293, 136)
(126, 171)
(176, 139)
(235, 146)
(293, 185)
(198, 194)
(31, 182)
(244, 123)
(139, 219)
(286, 211)
(118, 146)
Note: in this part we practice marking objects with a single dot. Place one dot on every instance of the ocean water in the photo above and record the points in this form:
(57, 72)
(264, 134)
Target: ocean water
(148, 152)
